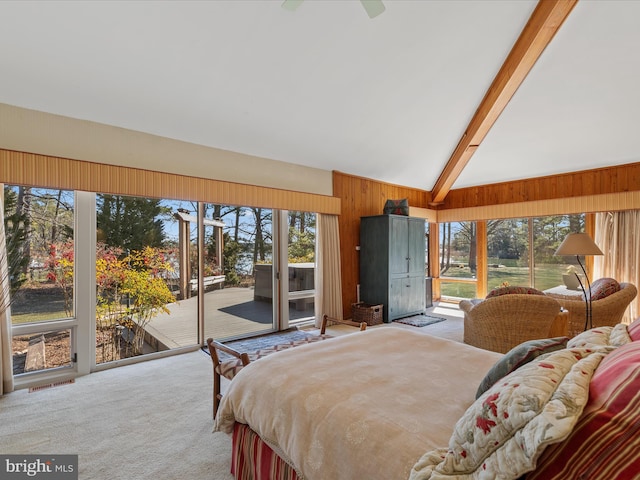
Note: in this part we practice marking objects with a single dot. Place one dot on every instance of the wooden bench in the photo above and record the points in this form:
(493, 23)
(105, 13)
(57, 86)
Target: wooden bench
(35, 359)
(208, 282)
(229, 368)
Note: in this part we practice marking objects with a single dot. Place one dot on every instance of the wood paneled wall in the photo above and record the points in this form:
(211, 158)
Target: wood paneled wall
(610, 188)
(621, 178)
(45, 171)
(363, 197)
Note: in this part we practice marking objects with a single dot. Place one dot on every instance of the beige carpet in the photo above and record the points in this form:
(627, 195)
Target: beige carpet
(150, 421)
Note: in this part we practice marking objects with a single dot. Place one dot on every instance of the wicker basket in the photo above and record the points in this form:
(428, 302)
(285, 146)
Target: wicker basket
(363, 312)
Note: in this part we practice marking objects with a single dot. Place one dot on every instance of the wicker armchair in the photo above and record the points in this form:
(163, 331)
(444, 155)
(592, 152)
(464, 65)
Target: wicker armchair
(500, 323)
(607, 311)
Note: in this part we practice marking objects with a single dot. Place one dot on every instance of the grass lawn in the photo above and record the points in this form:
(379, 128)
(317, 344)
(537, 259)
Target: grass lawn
(547, 276)
(37, 303)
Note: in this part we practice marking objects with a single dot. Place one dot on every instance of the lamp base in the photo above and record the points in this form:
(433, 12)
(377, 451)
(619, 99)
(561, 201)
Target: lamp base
(571, 281)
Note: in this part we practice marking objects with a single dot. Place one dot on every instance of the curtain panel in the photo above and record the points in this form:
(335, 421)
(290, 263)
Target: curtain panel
(6, 355)
(617, 236)
(328, 276)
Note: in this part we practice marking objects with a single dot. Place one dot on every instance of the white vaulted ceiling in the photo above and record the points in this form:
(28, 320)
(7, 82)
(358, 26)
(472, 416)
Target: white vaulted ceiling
(326, 86)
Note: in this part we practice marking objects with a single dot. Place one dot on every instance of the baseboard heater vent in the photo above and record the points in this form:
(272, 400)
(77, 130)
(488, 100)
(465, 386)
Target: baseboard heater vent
(50, 385)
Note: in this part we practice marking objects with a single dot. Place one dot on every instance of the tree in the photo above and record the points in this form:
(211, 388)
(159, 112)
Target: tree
(302, 237)
(145, 285)
(60, 267)
(132, 223)
(466, 241)
(16, 225)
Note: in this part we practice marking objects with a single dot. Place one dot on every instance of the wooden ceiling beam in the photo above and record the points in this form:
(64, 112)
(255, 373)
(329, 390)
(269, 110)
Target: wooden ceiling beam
(542, 26)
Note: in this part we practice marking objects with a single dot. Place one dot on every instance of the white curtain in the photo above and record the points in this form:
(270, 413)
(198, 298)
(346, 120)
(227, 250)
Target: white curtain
(328, 274)
(6, 355)
(617, 235)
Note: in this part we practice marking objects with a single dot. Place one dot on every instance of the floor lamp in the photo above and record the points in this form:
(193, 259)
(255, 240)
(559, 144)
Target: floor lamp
(581, 244)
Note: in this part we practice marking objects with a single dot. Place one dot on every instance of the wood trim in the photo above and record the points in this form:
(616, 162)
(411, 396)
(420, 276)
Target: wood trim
(482, 262)
(585, 183)
(542, 26)
(588, 204)
(434, 260)
(54, 172)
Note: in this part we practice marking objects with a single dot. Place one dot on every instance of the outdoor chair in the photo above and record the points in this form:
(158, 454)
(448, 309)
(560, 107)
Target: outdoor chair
(502, 322)
(229, 368)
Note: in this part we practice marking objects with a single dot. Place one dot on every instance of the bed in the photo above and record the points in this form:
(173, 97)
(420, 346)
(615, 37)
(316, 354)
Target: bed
(391, 403)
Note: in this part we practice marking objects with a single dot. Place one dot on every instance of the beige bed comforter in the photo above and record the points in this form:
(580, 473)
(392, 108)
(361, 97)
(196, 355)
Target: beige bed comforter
(365, 405)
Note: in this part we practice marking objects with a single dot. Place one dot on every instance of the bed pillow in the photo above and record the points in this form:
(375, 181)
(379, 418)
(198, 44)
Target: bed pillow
(518, 356)
(604, 443)
(634, 330)
(503, 433)
(603, 287)
(496, 292)
(601, 337)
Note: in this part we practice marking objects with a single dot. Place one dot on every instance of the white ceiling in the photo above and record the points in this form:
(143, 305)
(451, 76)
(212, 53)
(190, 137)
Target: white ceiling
(325, 86)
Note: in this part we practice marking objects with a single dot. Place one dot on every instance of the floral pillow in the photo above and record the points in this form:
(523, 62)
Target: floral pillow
(496, 292)
(518, 356)
(603, 287)
(502, 434)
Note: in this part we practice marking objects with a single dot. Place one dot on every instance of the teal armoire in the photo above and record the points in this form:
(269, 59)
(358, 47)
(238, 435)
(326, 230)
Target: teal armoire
(392, 264)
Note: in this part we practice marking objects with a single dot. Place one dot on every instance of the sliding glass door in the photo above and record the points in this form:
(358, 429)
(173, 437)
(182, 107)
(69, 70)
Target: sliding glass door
(301, 265)
(238, 252)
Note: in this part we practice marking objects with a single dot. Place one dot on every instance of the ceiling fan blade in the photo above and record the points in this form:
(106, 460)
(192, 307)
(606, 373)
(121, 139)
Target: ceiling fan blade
(291, 5)
(373, 7)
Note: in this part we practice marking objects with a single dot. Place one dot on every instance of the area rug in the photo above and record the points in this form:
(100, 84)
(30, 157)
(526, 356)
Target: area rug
(420, 321)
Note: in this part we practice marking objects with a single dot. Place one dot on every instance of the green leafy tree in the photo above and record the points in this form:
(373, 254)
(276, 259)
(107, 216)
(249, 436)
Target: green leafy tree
(144, 284)
(231, 256)
(131, 223)
(302, 237)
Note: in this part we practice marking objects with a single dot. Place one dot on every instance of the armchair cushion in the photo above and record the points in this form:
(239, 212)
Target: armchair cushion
(496, 292)
(518, 356)
(603, 287)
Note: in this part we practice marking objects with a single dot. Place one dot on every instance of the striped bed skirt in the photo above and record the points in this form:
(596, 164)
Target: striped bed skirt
(252, 459)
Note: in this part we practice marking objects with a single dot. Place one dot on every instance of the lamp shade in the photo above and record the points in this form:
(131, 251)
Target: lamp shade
(578, 244)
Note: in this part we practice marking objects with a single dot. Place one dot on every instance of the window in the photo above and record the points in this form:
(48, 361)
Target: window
(40, 248)
(548, 234)
(507, 252)
(143, 266)
(98, 280)
(458, 259)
